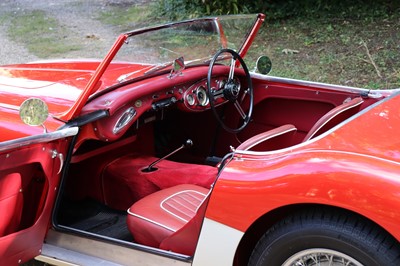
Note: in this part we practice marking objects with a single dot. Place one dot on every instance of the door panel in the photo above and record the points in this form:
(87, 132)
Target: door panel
(29, 178)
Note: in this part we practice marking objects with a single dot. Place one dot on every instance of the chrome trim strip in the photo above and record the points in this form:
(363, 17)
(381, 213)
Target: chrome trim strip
(312, 84)
(36, 139)
(9, 106)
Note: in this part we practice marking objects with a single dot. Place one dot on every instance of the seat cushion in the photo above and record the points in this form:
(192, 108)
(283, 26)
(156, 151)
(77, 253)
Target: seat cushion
(159, 215)
(125, 175)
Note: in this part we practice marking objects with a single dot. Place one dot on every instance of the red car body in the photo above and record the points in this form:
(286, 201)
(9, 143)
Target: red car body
(313, 156)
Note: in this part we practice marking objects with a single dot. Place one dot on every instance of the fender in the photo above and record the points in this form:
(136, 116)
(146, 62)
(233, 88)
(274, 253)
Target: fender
(334, 178)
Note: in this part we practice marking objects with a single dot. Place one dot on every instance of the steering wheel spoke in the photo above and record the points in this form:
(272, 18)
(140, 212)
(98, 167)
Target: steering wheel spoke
(231, 92)
(240, 110)
(232, 68)
(245, 93)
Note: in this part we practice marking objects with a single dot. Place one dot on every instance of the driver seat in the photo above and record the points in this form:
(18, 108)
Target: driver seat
(170, 218)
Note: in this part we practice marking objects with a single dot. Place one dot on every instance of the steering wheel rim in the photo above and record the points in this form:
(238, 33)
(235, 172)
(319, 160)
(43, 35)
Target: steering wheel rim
(231, 91)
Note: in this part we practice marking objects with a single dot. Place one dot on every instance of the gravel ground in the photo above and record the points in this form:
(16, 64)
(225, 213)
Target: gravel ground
(77, 16)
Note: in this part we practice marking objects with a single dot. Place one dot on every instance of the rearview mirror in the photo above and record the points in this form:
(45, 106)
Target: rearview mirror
(177, 66)
(264, 64)
(33, 112)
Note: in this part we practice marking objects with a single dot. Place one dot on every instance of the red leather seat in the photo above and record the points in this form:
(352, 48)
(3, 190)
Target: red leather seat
(169, 219)
(334, 117)
(273, 139)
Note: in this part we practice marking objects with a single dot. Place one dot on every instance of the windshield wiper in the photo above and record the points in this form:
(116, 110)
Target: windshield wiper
(204, 60)
(158, 67)
(124, 77)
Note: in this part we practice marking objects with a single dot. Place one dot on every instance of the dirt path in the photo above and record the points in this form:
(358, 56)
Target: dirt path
(78, 17)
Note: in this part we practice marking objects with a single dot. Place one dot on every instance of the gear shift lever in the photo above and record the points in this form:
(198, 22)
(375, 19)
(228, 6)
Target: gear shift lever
(188, 143)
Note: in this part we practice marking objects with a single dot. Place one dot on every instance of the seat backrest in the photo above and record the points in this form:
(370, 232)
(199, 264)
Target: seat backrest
(273, 139)
(185, 239)
(334, 117)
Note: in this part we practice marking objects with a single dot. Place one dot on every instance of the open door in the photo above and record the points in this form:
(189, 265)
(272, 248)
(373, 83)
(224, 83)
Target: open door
(30, 170)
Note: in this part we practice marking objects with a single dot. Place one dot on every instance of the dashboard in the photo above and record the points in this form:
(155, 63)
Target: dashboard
(188, 97)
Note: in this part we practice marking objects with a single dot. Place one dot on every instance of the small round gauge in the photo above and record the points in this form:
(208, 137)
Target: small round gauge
(202, 96)
(190, 99)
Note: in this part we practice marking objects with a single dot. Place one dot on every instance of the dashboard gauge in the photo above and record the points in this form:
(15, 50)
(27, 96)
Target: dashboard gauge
(202, 96)
(190, 99)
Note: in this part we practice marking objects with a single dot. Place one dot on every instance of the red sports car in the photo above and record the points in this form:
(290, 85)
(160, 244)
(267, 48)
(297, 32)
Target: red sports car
(169, 151)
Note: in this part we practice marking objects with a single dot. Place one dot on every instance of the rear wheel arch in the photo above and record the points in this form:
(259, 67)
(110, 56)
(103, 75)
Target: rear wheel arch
(268, 220)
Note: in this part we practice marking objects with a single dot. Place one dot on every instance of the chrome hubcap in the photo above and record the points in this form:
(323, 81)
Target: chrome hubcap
(321, 257)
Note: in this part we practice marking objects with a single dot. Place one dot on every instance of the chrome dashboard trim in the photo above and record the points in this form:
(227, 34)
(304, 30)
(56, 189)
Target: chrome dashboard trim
(36, 139)
(124, 119)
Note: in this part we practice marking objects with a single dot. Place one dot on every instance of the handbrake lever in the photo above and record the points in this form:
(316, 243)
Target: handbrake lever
(188, 143)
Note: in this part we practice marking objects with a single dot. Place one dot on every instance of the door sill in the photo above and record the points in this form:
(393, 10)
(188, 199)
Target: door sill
(70, 250)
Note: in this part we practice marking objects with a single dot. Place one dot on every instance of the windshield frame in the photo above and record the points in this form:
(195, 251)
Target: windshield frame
(94, 82)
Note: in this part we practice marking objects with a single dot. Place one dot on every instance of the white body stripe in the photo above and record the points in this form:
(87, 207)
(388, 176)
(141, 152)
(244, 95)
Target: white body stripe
(217, 244)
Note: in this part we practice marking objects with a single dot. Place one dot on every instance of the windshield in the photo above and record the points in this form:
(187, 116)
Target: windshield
(196, 40)
(146, 51)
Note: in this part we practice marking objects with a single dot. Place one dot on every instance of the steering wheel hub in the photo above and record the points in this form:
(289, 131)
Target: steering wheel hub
(231, 90)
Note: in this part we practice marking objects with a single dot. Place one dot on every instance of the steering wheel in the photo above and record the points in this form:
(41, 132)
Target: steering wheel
(231, 91)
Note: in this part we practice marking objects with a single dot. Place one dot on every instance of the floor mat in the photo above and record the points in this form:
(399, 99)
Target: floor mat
(99, 219)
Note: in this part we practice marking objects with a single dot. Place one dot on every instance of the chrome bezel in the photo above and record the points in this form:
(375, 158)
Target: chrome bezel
(190, 99)
(203, 99)
(124, 119)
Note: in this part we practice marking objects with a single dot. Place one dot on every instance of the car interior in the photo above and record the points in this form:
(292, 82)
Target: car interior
(150, 185)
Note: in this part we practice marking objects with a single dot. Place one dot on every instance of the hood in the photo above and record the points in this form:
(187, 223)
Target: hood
(58, 83)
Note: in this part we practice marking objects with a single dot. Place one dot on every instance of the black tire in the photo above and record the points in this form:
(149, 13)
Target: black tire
(325, 234)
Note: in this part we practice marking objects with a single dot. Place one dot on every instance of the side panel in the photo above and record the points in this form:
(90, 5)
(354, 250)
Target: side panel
(217, 244)
(29, 176)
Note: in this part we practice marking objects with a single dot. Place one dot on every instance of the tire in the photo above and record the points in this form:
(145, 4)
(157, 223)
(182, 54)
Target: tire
(323, 236)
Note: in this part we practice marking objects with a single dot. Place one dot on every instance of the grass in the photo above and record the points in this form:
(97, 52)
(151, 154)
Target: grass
(361, 53)
(126, 17)
(42, 35)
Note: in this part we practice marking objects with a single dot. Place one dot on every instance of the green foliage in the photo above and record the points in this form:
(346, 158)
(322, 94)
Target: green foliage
(280, 9)
(358, 9)
(179, 9)
(40, 34)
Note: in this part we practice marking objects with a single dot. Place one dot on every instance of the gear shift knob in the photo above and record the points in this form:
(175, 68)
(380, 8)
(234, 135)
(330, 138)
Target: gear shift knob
(188, 143)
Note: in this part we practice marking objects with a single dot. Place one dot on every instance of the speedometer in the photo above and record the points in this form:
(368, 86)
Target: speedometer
(202, 96)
